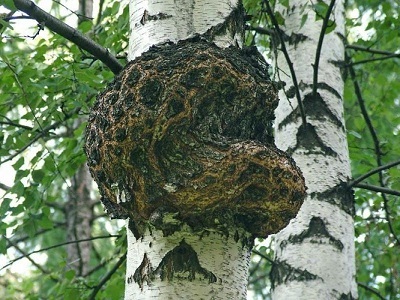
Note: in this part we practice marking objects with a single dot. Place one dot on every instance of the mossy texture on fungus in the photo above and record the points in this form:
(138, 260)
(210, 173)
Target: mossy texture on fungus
(186, 129)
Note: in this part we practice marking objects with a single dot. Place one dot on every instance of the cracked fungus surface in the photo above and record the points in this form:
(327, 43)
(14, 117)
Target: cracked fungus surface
(187, 129)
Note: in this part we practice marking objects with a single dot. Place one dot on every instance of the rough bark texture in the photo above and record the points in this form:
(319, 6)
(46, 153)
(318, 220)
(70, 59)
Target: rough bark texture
(153, 22)
(186, 130)
(78, 215)
(187, 265)
(180, 145)
(315, 253)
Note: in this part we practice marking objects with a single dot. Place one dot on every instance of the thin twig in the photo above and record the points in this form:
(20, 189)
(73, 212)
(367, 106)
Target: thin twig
(59, 245)
(377, 189)
(288, 61)
(11, 123)
(370, 50)
(41, 134)
(24, 254)
(364, 61)
(107, 277)
(261, 30)
(4, 187)
(69, 33)
(319, 47)
(377, 147)
(374, 171)
(99, 14)
(263, 256)
(373, 291)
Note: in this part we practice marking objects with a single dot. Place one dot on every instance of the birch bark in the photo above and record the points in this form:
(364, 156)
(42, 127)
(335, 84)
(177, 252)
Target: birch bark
(315, 253)
(219, 265)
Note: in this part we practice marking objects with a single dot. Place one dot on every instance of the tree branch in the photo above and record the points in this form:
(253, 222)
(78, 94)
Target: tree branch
(260, 30)
(319, 47)
(4, 187)
(370, 50)
(107, 277)
(56, 246)
(377, 147)
(289, 62)
(69, 33)
(41, 134)
(373, 291)
(374, 171)
(364, 61)
(263, 256)
(24, 254)
(377, 189)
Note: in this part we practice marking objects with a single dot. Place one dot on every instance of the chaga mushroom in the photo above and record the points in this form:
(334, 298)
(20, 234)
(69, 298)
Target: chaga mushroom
(186, 130)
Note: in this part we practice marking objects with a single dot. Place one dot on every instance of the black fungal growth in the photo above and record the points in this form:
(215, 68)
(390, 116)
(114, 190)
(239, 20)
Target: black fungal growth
(186, 129)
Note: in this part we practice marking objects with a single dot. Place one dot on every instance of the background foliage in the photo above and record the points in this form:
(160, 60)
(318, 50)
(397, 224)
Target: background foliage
(47, 87)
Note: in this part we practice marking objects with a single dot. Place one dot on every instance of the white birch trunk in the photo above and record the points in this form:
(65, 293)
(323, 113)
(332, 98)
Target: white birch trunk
(156, 21)
(315, 253)
(222, 268)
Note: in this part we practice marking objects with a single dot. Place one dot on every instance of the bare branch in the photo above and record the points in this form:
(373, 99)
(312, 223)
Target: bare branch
(263, 256)
(69, 33)
(370, 50)
(261, 30)
(41, 134)
(377, 146)
(374, 171)
(4, 187)
(288, 61)
(373, 291)
(377, 189)
(108, 276)
(24, 254)
(319, 47)
(58, 245)
(364, 61)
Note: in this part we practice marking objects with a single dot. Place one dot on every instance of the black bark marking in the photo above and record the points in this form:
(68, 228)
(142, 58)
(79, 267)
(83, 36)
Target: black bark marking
(348, 296)
(133, 228)
(143, 274)
(182, 262)
(147, 17)
(308, 139)
(315, 109)
(315, 232)
(340, 195)
(282, 272)
(234, 23)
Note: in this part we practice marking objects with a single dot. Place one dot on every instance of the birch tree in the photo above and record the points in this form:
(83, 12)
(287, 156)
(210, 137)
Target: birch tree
(51, 73)
(180, 145)
(315, 253)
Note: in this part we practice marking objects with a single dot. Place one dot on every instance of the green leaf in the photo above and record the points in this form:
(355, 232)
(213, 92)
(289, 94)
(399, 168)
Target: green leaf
(303, 20)
(70, 274)
(5, 205)
(3, 246)
(37, 175)
(320, 9)
(9, 4)
(279, 18)
(284, 3)
(331, 27)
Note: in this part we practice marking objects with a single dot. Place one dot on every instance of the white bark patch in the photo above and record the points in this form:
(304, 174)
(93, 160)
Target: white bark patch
(324, 165)
(225, 258)
(318, 255)
(155, 21)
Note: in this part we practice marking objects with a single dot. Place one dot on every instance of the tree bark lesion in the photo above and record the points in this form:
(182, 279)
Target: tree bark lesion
(186, 129)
